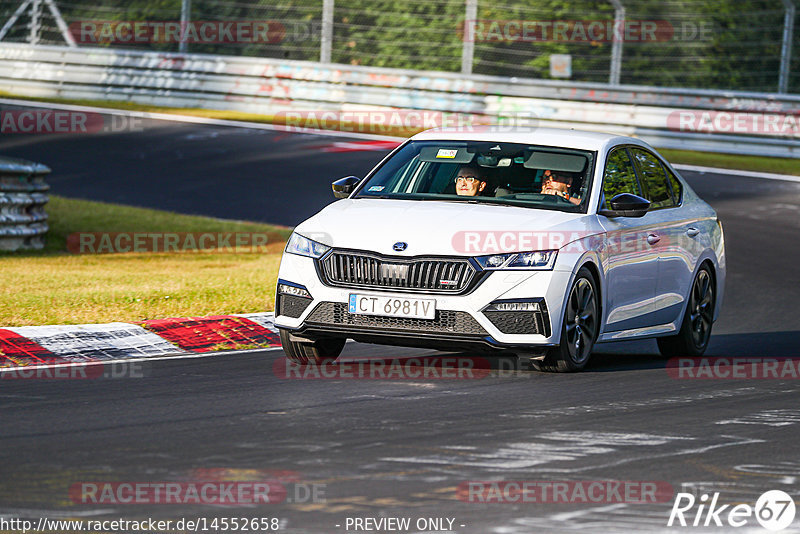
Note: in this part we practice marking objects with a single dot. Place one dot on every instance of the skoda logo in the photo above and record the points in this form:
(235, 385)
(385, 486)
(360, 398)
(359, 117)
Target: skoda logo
(400, 246)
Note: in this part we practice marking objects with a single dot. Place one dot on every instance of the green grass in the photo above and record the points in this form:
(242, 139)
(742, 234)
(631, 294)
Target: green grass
(709, 159)
(54, 286)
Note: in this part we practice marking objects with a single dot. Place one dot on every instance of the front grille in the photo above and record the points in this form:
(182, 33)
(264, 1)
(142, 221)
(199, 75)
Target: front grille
(292, 305)
(442, 275)
(445, 322)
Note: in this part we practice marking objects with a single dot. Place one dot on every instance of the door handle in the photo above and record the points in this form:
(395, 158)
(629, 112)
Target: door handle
(653, 239)
(692, 232)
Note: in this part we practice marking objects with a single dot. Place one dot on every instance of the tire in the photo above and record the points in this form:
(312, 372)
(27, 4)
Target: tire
(318, 352)
(579, 328)
(693, 337)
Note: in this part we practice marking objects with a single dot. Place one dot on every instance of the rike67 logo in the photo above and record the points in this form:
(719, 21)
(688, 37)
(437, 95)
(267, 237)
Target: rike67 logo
(774, 510)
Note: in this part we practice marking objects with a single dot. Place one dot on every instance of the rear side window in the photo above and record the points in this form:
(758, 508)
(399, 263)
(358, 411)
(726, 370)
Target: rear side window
(654, 179)
(619, 176)
(677, 188)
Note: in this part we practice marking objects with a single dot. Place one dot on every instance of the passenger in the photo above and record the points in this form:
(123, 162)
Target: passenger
(556, 183)
(470, 181)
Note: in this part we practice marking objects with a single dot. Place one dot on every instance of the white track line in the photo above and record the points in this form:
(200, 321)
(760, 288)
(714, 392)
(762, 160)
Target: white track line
(748, 174)
(197, 120)
(332, 133)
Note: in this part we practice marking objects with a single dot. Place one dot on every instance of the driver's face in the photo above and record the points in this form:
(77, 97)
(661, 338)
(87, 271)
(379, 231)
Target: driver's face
(468, 183)
(555, 182)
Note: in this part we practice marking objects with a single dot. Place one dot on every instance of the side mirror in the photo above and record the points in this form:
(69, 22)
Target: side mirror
(626, 205)
(344, 186)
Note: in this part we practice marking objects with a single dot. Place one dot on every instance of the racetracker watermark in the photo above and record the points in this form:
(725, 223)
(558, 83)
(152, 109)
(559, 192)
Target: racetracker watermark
(437, 368)
(480, 242)
(90, 32)
(583, 31)
(734, 122)
(223, 487)
(388, 121)
(77, 371)
(201, 492)
(120, 242)
(565, 492)
(734, 368)
(53, 121)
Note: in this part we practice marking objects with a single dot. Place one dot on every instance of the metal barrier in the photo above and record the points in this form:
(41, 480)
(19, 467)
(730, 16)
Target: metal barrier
(23, 221)
(270, 86)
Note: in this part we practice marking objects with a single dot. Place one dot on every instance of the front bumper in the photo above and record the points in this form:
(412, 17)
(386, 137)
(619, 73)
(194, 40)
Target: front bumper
(461, 320)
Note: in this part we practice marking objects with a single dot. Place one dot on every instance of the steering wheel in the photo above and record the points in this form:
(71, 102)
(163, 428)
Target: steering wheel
(550, 196)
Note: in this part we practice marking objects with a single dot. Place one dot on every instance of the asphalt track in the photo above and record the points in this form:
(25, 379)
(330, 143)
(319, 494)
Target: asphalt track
(400, 448)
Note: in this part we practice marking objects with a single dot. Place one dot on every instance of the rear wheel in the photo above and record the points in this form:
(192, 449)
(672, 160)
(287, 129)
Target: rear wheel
(579, 328)
(695, 332)
(317, 352)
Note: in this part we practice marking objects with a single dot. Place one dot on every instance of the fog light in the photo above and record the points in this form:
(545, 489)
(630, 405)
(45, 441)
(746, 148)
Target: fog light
(292, 290)
(519, 316)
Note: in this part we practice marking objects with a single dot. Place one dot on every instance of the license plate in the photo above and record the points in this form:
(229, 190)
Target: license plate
(392, 306)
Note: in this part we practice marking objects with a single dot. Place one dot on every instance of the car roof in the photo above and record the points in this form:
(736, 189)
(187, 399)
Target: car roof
(557, 137)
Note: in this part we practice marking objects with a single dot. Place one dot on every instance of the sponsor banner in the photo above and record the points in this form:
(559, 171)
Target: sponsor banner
(436, 368)
(733, 368)
(90, 32)
(122, 242)
(565, 492)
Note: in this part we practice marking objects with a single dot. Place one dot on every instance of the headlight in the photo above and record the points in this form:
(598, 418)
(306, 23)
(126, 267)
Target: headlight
(540, 261)
(303, 246)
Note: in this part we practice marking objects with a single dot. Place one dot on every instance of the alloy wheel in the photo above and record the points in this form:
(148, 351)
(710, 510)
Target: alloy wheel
(701, 306)
(581, 321)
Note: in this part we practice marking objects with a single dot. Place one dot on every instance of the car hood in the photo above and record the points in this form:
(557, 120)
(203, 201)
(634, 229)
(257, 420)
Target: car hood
(442, 228)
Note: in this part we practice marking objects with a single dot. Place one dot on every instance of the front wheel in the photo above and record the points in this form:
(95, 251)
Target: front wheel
(579, 328)
(695, 332)
(317, 352)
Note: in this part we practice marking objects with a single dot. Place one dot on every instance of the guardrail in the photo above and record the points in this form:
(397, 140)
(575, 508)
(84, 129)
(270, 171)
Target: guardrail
(269, 86)
(23, 221)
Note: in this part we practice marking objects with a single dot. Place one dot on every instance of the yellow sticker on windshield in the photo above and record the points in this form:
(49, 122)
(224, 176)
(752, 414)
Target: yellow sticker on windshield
(446, 153)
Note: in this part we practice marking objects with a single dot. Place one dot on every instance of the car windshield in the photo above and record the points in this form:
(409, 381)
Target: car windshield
(515, 174)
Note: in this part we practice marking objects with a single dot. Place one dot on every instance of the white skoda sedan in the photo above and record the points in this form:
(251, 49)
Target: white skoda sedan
(543, 243)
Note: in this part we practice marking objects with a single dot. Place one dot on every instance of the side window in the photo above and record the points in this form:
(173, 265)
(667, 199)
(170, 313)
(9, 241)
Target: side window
(654, 179)
(677, 188)
(619, 176)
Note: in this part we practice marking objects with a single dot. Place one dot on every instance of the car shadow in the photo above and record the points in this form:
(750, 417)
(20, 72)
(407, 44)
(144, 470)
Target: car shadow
(607, 357)
(633, 355)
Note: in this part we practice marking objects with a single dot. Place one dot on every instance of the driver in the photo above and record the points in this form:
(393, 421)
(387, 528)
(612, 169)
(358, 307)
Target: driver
(470, 181)
(557, 183)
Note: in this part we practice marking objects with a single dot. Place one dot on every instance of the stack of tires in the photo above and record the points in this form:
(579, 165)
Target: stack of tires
(23, 194)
